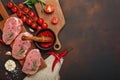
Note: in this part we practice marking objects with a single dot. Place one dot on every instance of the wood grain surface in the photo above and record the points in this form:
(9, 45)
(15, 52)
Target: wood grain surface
(48, 17)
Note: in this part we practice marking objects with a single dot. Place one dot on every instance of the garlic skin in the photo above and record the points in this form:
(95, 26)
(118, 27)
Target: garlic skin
(8, 53)
(10, 65)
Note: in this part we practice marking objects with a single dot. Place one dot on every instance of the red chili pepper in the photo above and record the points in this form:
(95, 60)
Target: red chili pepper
(1, 41)
(60, 56)
(55, 55)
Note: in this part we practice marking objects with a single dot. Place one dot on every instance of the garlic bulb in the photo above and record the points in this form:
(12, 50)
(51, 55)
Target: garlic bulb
(10, 65)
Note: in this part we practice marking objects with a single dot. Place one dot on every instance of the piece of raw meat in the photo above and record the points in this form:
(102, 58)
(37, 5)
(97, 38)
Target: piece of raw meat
(20, 46)
(32, 62)
(11, 29)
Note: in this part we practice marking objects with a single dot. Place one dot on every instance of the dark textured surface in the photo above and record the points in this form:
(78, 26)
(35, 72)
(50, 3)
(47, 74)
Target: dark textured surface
(92, 29)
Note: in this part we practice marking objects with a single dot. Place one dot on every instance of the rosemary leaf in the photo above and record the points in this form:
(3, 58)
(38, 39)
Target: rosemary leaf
(9, 35)
(30, 3)
(27, 1)
(20, 51)
(34, 66)
(42, 7)
(42, 2)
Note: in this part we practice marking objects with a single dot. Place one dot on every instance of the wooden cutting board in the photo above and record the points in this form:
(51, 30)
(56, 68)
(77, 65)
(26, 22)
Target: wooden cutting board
(47, 17)
(56, 28)
(5, 16)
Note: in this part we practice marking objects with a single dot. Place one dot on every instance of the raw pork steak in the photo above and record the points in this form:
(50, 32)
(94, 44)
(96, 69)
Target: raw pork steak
(12, 27)
(21, 47)
(32, 62)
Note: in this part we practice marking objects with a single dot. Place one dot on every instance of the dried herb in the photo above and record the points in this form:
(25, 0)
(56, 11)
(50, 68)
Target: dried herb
(22, 50)
(9, 35)
(34, 66)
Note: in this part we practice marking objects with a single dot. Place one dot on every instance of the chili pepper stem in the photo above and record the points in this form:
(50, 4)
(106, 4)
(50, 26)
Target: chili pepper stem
(70, 49)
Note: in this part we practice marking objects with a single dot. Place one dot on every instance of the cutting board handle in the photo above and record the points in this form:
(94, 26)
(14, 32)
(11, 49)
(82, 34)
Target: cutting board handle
(57, 13)
(3, 12)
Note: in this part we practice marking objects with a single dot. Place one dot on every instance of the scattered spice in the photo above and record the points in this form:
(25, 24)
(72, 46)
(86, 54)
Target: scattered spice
(22, 50)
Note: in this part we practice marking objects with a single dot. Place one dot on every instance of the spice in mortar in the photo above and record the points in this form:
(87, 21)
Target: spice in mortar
(46, 33)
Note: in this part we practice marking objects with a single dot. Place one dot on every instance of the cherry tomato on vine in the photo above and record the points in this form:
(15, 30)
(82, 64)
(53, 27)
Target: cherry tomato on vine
(19, 13)
(34, 25)
(35, 19)
(29, 22)
(14, 9)
(10, 4)
(49, 8)
(31, 14)
(54, 20)
(21, 6)
(44, 25)
(23, 18)
(26, 10)
(39, 27)
(40, 21)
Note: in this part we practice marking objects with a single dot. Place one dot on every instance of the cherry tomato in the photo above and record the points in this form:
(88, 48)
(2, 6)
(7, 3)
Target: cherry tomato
(40, 21)
(31, 14)
(49, 8)
(10, 4)
(54, 20)
(44, 25)
(26, 10)
(23, 18)
(14, 9)
(29, 22)
(39, 27)
(21, 6)
(35, 19)
(19, 13)
(34, 25)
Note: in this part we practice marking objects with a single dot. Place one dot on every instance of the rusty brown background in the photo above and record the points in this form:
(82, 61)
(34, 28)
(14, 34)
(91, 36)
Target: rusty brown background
(92, 29)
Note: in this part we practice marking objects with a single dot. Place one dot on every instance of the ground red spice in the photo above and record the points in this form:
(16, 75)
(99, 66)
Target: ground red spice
(47, 34)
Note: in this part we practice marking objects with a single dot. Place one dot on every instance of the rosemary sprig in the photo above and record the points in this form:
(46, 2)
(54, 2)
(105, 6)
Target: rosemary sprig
(30, 3)
(34, 66)
(22, 50)
(9, 35)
